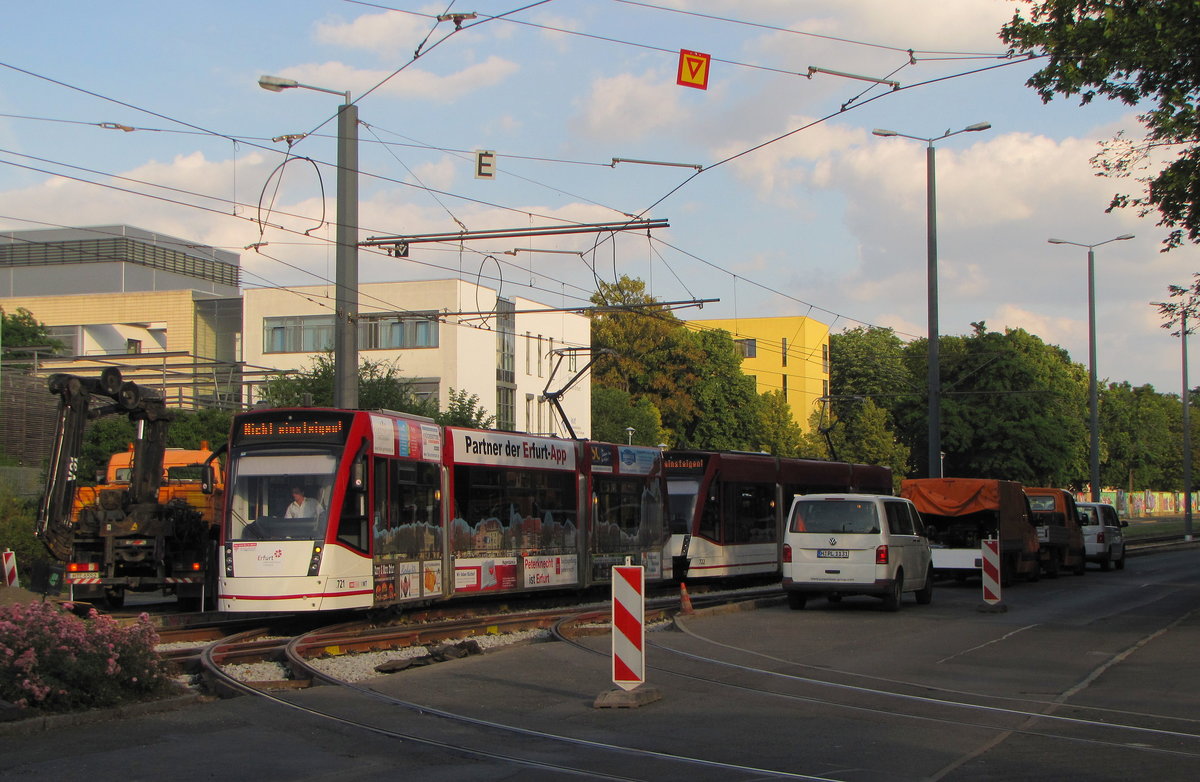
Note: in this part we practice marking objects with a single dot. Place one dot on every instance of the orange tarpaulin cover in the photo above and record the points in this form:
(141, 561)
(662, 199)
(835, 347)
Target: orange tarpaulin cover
(958, 496)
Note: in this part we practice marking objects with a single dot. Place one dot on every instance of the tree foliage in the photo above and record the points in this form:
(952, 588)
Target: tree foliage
(694, 379)
(1135, 52)
(22, 330)
(465, 409)
(380, 387)
(615, 410)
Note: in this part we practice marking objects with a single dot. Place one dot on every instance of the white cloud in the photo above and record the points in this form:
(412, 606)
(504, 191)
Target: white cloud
(412, 82)
(385, 33)
(628, 107)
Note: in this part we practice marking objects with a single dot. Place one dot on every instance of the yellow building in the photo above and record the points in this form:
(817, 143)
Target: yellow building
(788, 354)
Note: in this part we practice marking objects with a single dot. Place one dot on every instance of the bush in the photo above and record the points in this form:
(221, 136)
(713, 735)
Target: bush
(52, 660)
(17, 520)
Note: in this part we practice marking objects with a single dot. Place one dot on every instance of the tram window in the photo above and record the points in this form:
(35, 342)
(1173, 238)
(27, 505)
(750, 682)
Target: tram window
(681, 498)
(710, 517)
(750, 517)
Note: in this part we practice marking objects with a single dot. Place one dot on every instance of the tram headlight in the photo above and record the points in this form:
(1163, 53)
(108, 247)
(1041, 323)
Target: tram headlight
(314, 564)
(229, 562)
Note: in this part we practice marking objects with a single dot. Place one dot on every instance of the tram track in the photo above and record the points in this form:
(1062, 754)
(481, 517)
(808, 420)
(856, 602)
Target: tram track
(462, 734)
(896, 699)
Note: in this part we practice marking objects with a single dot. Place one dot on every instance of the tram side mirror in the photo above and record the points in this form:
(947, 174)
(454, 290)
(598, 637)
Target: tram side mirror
(207, 479)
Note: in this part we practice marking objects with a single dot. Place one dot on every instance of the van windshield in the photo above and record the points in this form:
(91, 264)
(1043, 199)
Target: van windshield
(834, 516)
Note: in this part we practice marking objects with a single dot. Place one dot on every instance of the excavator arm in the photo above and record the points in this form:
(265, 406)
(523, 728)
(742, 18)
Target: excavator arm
(150, 415)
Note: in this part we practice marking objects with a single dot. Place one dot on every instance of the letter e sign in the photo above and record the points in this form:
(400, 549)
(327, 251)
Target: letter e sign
(485, 164)
(693, 69)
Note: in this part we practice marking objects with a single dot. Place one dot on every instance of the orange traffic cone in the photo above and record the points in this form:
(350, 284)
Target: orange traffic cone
(685, 602)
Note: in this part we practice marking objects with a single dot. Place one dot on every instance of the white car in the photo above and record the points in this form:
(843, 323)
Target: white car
(1103, 540)
(855, 544)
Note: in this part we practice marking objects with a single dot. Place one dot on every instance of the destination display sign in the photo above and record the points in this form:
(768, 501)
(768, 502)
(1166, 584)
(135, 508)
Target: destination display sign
(309, 428)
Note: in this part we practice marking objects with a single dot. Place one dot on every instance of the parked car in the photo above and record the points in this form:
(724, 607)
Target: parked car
(855, 544)
(1103, 540)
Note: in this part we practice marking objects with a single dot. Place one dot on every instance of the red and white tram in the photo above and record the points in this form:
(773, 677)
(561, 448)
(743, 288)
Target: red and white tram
(393, 509)
(727, 509)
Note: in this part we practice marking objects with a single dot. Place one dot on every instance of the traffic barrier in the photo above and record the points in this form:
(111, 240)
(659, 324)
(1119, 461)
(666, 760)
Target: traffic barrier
(685, 601)
(10, 568)
(990, 576)
(628, 626)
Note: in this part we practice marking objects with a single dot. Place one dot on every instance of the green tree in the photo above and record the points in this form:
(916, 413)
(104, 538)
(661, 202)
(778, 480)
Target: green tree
(693, 378)
(614, 410)
(781, 435)
(1134, 52)
(22, 330)
(465, 409)
(380, 387)
(1140, 432)
(1013, 407)
(861, 435)
(17, 518)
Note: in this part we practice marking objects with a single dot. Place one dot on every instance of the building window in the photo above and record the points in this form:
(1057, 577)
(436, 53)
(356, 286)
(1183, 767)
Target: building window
(824, 388)
(825, 358)
(398, 331)
(506, 408)
(298, 334)
(529, 408)
(785, 352)
(528, 353)
(133, 346)
(541, 366)
(785, 388)
(748, 347)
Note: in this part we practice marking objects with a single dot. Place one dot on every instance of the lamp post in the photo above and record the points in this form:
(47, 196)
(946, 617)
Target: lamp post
(345, 339)
(935, 381)
(1093, 397)
(1171, 310)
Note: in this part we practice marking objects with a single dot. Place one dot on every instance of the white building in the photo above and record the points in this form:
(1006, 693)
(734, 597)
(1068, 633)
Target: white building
(441, 334)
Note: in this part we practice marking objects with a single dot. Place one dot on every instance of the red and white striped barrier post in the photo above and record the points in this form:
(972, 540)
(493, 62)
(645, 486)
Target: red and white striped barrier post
(628, 640)
(10, 568)
(628, 626)
(990, 574)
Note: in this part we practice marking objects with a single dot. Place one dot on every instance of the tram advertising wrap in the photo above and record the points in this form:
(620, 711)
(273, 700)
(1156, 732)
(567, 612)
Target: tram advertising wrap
(338, 509)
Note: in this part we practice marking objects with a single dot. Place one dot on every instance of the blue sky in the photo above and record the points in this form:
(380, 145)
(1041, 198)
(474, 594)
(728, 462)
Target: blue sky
(827, 222)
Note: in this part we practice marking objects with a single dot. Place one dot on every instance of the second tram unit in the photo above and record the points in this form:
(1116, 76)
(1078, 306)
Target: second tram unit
(727, 509)
(340, 509)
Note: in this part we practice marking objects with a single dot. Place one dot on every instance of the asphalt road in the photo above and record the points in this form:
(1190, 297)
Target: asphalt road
(935, 692)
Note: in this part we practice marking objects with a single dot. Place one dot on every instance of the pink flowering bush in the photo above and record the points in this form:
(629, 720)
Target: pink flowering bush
(52, 660)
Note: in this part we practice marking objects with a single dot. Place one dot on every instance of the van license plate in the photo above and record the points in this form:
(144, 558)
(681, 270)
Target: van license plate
(832, 553)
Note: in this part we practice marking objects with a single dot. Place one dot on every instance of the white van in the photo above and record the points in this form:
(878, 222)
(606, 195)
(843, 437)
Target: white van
(855, 544)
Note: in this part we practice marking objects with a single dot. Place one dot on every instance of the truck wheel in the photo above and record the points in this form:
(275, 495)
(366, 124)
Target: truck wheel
(1080, 565)
(1052, 566)
(891, 601)
(797, 600)
(1121, 562)
(925, 593)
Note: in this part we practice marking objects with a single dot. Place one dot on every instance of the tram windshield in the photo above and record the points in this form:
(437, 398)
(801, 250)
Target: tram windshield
(280, 494)
(681, 495)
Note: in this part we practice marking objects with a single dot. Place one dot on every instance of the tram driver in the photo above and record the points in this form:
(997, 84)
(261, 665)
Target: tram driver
(302, 507)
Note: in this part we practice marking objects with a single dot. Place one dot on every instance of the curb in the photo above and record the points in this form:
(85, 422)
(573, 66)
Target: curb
(44, 723)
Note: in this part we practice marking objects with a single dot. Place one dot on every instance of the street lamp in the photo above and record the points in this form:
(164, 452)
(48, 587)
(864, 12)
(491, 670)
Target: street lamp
(1093, 398)
(345, 337)
(935, 379)
(1172, 309)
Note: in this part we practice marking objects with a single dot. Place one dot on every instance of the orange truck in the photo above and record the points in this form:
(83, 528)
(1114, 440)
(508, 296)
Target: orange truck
(180, 480)
(961, 513)
(1059, 536)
